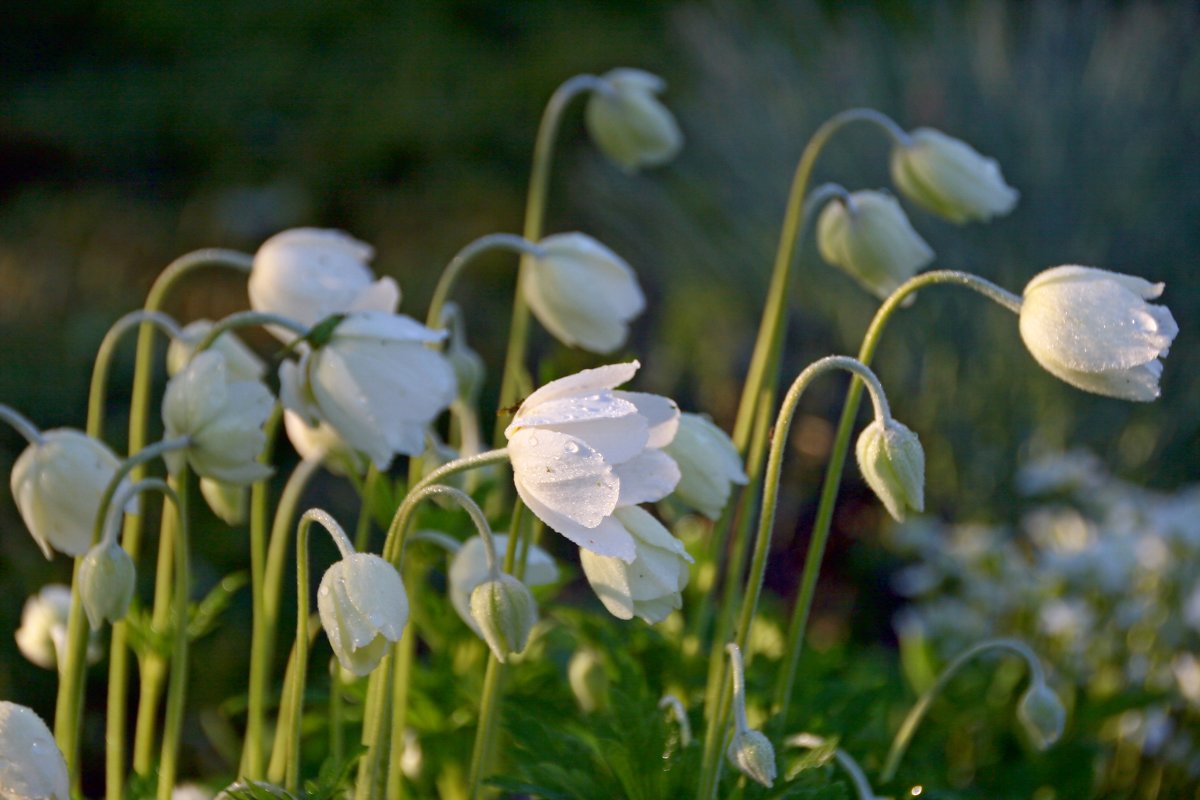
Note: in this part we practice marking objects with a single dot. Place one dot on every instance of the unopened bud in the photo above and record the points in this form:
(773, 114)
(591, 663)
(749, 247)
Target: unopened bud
(589, 680)
(505, 611)
(106, 581)
(1042, 715)
(629, 124)
(893, 464)
(227, 501)
(751, 752)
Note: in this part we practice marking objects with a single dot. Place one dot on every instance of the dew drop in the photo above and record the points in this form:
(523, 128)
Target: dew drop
(571, 447)
(533, 441)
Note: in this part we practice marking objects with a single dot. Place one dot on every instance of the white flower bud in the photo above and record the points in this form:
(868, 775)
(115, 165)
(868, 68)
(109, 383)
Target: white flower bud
(583, 293)
(1042, 715)
(320, 442)
(1094, 329)
(469, 568)
(307, 274)
(363, 608)
(43, 628)
(588, 679)
(868, 235)
(57, 484)
(228, 501)
(708, 464)
(629, 124)
(107, 579)
(222, 420)
(751, 752)
(948, 177)
(650, 585)
(241, 362)
(505, 612)
(31, 765)
(893, 464)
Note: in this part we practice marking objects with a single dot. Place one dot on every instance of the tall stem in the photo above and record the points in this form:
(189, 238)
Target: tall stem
(21, 425)
(177, 687)
(104, 355)
(837, 460)
(484, 244)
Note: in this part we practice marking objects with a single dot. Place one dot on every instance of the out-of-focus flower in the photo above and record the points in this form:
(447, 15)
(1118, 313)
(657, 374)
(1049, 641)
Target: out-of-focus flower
(228, 501)
(1094, 329)
(321, 442)
(107, 579)
(504, 612)
(469, 568)
(363, 608)
(43, 628)
(469, 369)
(579, 450)
(948, 177)
(893, 463)
(629, 124)
(868, 235)
(583, 293)
(57, 484)
(375, 382)
(751, 752)
(649, 586)
(31, 765)
(1042, 715)
(191, 791)
(222, 420)
(708, 464)
(588, 680)
(241, 363)
(307, 274)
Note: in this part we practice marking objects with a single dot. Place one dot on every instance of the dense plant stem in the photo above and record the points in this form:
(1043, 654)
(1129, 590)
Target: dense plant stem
(837, 459)
(482, 245)
(177, 685)
(917, 712)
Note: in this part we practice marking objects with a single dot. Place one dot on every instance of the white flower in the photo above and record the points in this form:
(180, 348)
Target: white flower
(107, 578)
(31, 765)
(588, 679)
(948, 177)
(306, 274)
(320, 442)
(363, 608)
(629, 124)
(579, 450)
(868, 235)
(228, 501)
(1094, 329)
(708, 464)
(57, 484)
(241, 362)
(583, 293)
(469, 568)
(505, 612)
(44, 627)
(751, 752)
(893, 463)
(375, 382)
(191, 791)
(222, 420)
(649, 586)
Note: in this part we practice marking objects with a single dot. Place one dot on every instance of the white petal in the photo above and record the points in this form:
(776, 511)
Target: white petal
(586, 381)
(610, 582)
(647, 478)
(603, 404)
(617, 440)
(564, 475)
(382, 295)
(386, 327)
(375, 589)
(660, 412)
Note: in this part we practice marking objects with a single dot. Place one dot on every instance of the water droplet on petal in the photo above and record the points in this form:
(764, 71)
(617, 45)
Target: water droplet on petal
(571, 447)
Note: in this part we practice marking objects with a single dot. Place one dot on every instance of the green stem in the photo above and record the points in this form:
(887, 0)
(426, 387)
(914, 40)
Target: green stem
(917, 712)
(337, 714)
(362, 531)
(766, 525)
(482, 245)
(249, 319)
(837, 459)
(862, 787)
(403, 654)
(277, 768)
(21, 425)
(177, 687)
(104, 356)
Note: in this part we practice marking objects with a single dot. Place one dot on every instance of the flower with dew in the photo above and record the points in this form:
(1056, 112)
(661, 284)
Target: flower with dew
(708, 464)
(869, 236)
(43, 630)
(650, 585)
(580, 449)
(628, 123)
(222, 420)
(363, 609)
(892, 461)
(582, 292)
(375, 382)
(469, 568)
(948, 177)
(307, 274)
(31, 765)
(57, 483)
(1094, 329)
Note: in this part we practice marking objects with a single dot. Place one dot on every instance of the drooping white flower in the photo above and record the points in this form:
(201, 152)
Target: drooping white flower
(241, 363)
(1094, 329)
(375, 382)
(57, 484)
(505, 612)
(1042, 715)
(629, 124)
(649, 586)
(229, 501)
(321, 442)
(31, 765)
(579, 450)
(469, 568)
(869, 236)
(43, 629)
(948, 177)
(751, 752)
(582, 292)
(363, 609)
(222, 420)
(107, 578)
(307, 274)
(893, 463)
(708, 464)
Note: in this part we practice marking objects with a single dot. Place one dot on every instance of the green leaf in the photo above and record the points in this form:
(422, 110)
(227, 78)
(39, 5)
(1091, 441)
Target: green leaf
(203, 616)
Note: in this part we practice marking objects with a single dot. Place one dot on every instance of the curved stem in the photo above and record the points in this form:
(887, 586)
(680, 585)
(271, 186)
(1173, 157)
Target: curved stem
(442, 540)
(674, 706)
(917, 712)
(104, 356)
(837, 459)
(484, 244)
(248, 319)
(21, 425)
(177, 686)
(862, 787)
(737, 673)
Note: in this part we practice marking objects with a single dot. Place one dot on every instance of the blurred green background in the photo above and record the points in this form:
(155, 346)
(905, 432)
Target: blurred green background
(132, 132)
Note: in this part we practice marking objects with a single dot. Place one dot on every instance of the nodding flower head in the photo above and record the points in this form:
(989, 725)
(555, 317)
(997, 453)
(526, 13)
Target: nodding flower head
(628, 122)
(893, 463)
(948, 177)
(363, 609)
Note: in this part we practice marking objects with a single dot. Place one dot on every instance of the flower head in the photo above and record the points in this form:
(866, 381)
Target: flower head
(31, 765)
(363, 608)
(107, 578)
(708, 464)
(629, 124)
(320, 442)
(241, 363)
(43, 628)
(948, 177)
(229, 501)
(307, 274)
(868, 235)
(751, 752)
(579, 450)
(583, 293)
(893, 463)
(375, 382)
(505, 612)
(222, 419)
(57, 484)
(469, 568)
(1042, 715)
(1094, 329)
(649, 586)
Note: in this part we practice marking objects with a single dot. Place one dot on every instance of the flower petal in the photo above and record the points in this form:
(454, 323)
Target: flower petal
(647, 478)
(563, 475)
(589, 380)
(661, 413)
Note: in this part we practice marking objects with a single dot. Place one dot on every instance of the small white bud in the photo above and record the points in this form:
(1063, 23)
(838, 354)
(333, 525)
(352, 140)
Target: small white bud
(107, 578)
(1042, 715)
(469, 568)
(31, 765)
(708, 464)
(868, 235)
(589, 680)
(751, 752)
(363, 609)
(43, 629)
(505, 611)
(893, 464)
(629, 124)
(948, 177)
